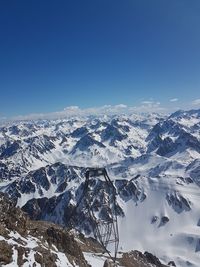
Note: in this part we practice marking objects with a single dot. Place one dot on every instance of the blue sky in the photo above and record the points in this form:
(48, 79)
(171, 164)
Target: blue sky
(56, 54)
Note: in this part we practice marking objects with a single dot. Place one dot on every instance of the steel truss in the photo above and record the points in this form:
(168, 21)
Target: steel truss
(105, 230)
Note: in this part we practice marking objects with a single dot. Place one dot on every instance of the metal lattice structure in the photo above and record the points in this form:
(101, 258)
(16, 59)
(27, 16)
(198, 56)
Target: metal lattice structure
(105, 230)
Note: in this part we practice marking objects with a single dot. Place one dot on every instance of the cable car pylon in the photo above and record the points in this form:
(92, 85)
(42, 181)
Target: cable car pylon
(105, 227)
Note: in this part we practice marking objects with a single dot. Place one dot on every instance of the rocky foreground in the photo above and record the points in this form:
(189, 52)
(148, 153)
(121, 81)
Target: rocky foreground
(24, 242)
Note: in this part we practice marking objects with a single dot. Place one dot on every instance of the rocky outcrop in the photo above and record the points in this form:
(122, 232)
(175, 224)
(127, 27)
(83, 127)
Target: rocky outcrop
(45, 244)
(42, 241)
(5, 253)
(138, 259)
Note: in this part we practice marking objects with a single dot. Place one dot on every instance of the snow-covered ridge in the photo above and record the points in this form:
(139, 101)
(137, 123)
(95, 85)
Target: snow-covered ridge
(26, 146)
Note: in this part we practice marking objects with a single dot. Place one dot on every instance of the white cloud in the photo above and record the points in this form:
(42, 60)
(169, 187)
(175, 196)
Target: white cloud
(148, 107)
(147, 102)
(71, 108)
(121, 106)
(73, 111)
(173, 100)
(196, 102)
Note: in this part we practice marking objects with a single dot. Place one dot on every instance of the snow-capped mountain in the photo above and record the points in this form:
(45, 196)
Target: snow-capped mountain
(152, 160)
(27, 146)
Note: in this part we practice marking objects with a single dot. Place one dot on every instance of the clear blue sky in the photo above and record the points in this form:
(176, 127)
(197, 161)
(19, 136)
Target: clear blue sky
(89, 53)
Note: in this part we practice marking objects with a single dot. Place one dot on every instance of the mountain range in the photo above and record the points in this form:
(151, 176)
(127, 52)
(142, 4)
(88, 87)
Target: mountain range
(153, 161)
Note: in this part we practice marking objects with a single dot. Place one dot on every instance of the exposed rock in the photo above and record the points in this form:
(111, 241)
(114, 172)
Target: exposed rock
(85, 143)
(154, 219)
(45, 258)
(171, 263)
(109, 263)
(178, 202)
(9, 149)
(198, 245)
(138, 259)
(5, 253)
(163, 221)
(22, 251)
(47, 238)
(11, 217)
(152, 259)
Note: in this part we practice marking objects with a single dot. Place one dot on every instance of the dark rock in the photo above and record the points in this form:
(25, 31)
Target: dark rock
(45, 258)
(164, 220)
(14, 130)
(112, 134)
(109, 263)
(79, 132)
(152, 259)
(61, 187)
(41, 144)
(5, 253)
(9, 149)
(10, 216)
(166, 146)
(85, 143)
(171, 263)
(154, 219)
(129, 190)
(137, 259)
(178, 202)
(21, 253)
(39, 177)
(197, 245)
(13, 219)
